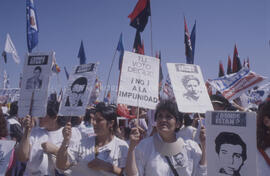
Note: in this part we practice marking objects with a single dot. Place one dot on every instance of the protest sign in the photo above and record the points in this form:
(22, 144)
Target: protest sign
(5, 153)
(9, 95)
(189, 88)
(35, 81)
(77, 93)
(231, 143)
(233, 85)
(139, 81)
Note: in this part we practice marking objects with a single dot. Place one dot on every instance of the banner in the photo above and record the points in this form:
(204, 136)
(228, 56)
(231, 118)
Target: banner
(6, 148)
(139, 81)
(256, 96)
(35, 81)
(233, 85)
(9, 95)
(231, 143)
(189, 88)
(77, 93)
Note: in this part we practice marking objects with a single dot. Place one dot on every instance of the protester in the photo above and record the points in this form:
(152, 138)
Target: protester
(15, 130)
(188, 131)
(263, 139)
(39, 146)
(166, 153)
(103, 154)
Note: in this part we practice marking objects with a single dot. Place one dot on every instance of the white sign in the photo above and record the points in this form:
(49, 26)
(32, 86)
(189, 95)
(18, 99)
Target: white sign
(139, 81)
(5, 153)
(189, 88)
(231, 143)
(35, 81)
(77, 92)
(10, 94)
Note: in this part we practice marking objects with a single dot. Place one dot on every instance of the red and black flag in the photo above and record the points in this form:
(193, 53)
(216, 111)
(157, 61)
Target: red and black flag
(236, 61)
(188, 45)
(229, 66)
(139, 15)
(248, 62)
(221, 70)
(138, 46)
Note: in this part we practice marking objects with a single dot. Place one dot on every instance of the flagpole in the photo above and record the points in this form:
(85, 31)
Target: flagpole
(151, 33)
(108, 78)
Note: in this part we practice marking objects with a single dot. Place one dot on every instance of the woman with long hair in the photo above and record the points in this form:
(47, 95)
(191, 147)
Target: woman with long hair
(263, 139)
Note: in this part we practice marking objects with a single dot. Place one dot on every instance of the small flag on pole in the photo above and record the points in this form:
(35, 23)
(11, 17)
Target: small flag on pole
(193, 40)
(10, 48)
(81, 54)
(139, 16)
(32, 25)
(137, 46)
(66, 72)
(221, 70)
(188, 46)
(236, 61)
(229, 66)
(120, 49)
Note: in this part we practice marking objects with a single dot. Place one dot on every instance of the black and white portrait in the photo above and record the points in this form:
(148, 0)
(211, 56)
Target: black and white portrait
(78, 88)
(192, 88)
(232, 153)
(35, 82)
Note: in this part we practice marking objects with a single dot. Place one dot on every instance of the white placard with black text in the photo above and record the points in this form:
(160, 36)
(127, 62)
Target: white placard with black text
(139, 81)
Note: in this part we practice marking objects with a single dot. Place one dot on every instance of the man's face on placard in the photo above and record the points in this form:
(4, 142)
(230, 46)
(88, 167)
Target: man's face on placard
(230, 157)
(193, 87)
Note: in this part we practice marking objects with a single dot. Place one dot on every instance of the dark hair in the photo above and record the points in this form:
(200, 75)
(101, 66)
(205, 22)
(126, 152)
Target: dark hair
(171, 107)
(231, 138)
(52, 108)
(187, 78)
(37, 68)
(187, 120)
(81, 81)
(3, 127)
(263, 132)
(108, 112)
(13, 108)
(88, 112)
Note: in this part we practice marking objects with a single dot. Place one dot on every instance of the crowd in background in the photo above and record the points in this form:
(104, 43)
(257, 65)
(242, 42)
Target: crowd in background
(102, 143)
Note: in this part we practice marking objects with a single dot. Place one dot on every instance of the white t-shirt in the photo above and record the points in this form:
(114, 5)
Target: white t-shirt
(115, 152)
(150, 162)
(187, 132)
(263, 169)
(41, 163)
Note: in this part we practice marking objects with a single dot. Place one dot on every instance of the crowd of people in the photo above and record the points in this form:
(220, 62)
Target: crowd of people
(161, 142)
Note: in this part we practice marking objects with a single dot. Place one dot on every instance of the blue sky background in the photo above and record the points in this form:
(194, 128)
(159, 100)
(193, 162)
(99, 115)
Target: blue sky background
(64, 23)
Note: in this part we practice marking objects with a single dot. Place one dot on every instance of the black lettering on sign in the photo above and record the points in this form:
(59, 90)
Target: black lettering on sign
(85, 68)
(38, 60)
(229, 119)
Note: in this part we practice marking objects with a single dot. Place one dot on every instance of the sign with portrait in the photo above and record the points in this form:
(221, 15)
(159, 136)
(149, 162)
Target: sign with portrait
(5, 153)
(35, 81)
(77, 93)
(139, 81)
(189, 88)
(231, 143)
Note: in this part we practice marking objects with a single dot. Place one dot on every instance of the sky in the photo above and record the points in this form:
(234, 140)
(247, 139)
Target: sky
(64, 23)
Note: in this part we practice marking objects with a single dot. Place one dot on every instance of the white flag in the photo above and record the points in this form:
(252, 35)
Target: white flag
(10, 48)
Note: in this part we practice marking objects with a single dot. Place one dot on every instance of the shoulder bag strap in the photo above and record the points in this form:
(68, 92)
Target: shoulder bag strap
(171, 166)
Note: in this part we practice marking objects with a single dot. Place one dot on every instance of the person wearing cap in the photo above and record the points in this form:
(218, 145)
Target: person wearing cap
(166, 152)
